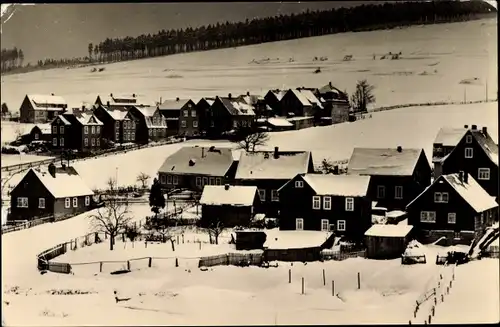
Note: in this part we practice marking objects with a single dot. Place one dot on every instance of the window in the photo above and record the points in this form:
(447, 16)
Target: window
(316, 202)
(218, 181)
(54, 141)
(154, 132)
(92, 129)
(299, 184)
(341, 225)
(398, 192)
(75, 202)
(41, 203)
(87, 200)
(175, 179)
(427, 217)
(469, 152)
(169, 179)
(262, 194)
(22, 202)
(380, 191)
(327, 203)
(349, 204)
(117, 125)
(441, 197)
(299, 224)
(195, 123)
(205, 180)
(98, 129)
(324, 225)
(163, 179)
(212, 124)
(117, 136)
(61, 141)
(212, 181)
(185, 112)
(61, 129)
(457, 235)
(86, 142)
(483, 174)
(37, 136)
(86, 130)
(93, 141)
(274, 195)
(150, 132)
(198, 181)
(54, 129)
(235, 124)
(452, 218)
(98, 142)
(183, 124)
(193, 113)
(468, 139)
(67, 203)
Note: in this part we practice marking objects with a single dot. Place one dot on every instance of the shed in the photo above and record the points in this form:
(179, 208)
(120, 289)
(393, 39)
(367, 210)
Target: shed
(250, 239)
(387, 241)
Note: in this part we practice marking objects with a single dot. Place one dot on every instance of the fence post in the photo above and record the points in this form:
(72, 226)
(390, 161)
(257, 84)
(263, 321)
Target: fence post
(176, 262)
(100, 266)
(123, 237)
(289, 276)
(182, 238)
(128, 265)
(150, 262)
(333, 288)
(324, 279)
(302, 285)
(359, 281)
(442, 297)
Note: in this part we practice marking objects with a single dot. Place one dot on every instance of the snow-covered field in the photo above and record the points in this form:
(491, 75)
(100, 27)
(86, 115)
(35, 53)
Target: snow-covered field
(16, 159)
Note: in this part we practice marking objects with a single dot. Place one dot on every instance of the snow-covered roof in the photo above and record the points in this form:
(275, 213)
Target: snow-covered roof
(237, 107)
(309, 95)
(389, 230)
(208, 100)
(251, 99)
(122, 100)
(341, 185)
(44, 128)
(63, 119)
(282, 122)
(116, 112)
(233, 195)
(147, 111)
(449, 136)
(302, 98)
(65, 184)
(263, 164)
(279, 94)
(46, 102)
(329, 88)
(280, 240)
(471, 192)
(194, 160)
(395, 214)
(174, 104)
(487, 144)
(373, 161)
(87, 118)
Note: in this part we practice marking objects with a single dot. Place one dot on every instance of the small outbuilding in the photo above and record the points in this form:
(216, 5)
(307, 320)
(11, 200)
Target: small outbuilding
(387, 241)
(250, 239)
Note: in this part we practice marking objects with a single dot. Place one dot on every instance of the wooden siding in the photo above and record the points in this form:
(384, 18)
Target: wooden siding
(230, 216)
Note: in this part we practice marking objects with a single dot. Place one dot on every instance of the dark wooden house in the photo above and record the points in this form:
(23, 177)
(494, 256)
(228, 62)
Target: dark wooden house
(40, 133)
(300, 103)
(337, 203)
(273, 100)
(204, 106)
(387, 241)
(475, 153)
(150, 125)
(445, 141)
(194, 167)
(258, 102)
(118, 127)
(38, 108)
(229, 113)
(56, 192)
(230, 205)
(455, 206)
(398, 175)
(80, 131)
(121, 100)
(335, 104)
(181, 116)
(269, 171)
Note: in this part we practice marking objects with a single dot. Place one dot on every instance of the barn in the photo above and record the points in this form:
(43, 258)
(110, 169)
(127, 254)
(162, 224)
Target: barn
(387, 241)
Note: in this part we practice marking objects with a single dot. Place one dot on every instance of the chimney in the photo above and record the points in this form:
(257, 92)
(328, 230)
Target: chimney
(133, 95)
(52, 94)
(330, 84)
(203, 152)
(466, 177)
(276, 152)
(466, 126)
(177, 99)
(226, 187)
(111, 94)
(108, 103)
(229, 95)
(248, 93)
(485, 130)
(400, 149)
(461, 176)
(161, 101)
(474, 127)
(52, 170)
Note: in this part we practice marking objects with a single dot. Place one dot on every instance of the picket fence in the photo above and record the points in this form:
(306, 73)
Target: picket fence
(235, 259)
(27, 224)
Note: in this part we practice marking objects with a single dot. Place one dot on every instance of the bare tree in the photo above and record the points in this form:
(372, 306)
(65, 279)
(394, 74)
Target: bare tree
(143, 179)
(362, 96)
(215, 228)
(248, 137)
(111, 183)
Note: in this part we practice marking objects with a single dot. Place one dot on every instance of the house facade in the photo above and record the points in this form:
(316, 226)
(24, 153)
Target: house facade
(273, 100)
(397, 175)
(228, 113)
(46, 193)
(229, 205)
(335, 102)
(41, 133)
(117, 126)
(182, 117)
(38, 108)
(203, 107)
(269, 171)
(150, 125)
(80, 131)
(320, 202)
(300, 103)
(194, 167)
(476, 154)
(455, 206)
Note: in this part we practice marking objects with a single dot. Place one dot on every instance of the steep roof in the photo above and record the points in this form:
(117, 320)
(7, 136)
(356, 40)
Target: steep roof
(147, 111)
(263, 165)
(309, 95)
(341, 185)
(173, 104)
(44, 128)
(237, 107)
(301, 97)
(279, 94)
(63, 118)
(471, 192)
(122, 100)
(67, 183)
(449, 136)
(276, 121)
(46, 102)
(87, 118)
(251, 99)
(193, 160)
(329, 88)
(375, 161)
(234, 195)
(209, 100)
(117, 112)
(487, 144)
(389, 230)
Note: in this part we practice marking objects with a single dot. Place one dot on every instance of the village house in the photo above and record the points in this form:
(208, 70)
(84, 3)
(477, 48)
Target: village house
(194, 167)
(121, 100)
(273, 100)
(258, 102)
(387, 241)
(269, 171)
(455, 206)
(204, 106)
(40, 133)
(80, 130)
(181, 116)
(300, 102)
(471, 150)
(118, 127)
(58, 192)
(229, 113)
(398, 175)
(150, 125)
(325, 203)
(228, 205)
(38, 108)
(335, 102)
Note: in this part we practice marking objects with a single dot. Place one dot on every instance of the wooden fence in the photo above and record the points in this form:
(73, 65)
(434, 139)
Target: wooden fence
(235, 259)
(27, 224)
(341, 255)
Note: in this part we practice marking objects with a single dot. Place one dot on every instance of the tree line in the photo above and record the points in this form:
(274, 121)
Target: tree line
(11, 58)
(284, 27)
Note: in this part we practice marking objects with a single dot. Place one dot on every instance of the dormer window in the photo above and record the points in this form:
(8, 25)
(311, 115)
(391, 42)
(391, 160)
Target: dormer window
(468, 139)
